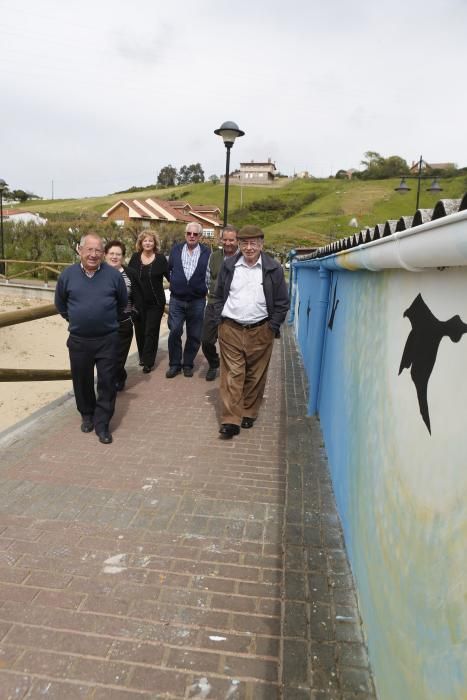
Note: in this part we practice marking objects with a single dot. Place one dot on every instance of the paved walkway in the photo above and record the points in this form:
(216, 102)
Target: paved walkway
(172, 564)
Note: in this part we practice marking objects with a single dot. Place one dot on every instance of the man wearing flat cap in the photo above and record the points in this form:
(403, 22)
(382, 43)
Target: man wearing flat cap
(251, 303)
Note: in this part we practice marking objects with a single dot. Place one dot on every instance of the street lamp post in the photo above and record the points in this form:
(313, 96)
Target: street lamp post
(403, 187)
(3, 187)
(229, 132)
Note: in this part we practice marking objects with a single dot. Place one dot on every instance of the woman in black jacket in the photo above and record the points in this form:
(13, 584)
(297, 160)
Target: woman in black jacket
(151, 267)
(114, 256)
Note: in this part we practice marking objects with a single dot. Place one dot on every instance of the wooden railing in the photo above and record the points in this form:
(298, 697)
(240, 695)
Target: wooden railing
(33, 269)
(10, 318)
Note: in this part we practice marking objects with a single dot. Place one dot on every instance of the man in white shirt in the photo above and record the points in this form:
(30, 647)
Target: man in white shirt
(251, 302)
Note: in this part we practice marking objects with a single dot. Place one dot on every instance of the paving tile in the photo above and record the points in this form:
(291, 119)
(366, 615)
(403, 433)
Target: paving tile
(160, 567)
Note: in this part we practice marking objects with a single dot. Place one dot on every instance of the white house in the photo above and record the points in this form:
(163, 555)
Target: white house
(17, 216)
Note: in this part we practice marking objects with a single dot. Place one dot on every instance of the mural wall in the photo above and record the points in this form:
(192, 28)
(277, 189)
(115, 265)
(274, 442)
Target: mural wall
(388, 377)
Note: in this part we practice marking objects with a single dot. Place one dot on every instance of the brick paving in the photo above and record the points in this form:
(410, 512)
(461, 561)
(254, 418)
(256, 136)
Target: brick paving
(172, 564)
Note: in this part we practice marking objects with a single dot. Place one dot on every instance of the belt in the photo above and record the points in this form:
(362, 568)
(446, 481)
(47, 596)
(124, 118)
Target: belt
(246, 325)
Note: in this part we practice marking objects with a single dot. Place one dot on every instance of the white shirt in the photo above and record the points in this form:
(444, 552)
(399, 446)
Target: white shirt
(246, 302)
(190, 260)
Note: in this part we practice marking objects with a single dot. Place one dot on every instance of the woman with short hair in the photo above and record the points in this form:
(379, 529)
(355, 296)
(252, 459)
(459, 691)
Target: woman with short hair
(151, 267)
(114, 252)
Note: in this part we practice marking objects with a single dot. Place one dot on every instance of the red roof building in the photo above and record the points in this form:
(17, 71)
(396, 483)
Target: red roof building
(152, 211)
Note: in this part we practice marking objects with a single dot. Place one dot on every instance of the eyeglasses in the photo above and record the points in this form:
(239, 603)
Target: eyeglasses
(192, 233)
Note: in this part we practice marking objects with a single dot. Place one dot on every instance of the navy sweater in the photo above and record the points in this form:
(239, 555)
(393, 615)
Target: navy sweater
(91, 305)
(195, 288)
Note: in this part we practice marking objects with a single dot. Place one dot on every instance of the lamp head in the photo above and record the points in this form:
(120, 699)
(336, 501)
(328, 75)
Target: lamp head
(435, 187)
(229, 132)
(403, 187)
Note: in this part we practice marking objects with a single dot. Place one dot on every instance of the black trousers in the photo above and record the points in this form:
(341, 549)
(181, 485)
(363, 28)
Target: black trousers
(147, 334)
(209, 337)
(125, 336)
(85, 354)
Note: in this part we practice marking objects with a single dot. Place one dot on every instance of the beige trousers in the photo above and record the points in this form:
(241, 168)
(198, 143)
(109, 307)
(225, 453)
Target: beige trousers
(244, 360)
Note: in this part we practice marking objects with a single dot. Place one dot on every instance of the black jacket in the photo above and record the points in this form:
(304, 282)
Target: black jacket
(159, 270)
(274, 286)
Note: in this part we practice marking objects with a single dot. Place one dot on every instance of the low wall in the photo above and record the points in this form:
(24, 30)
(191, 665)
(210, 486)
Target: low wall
(383, 334)
(29, 291)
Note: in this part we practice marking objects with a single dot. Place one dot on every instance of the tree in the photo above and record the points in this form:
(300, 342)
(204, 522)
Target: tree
(190, 174)
(214, 179)
(167, 176)
(378, 168)
(394, 166)
(19, 195)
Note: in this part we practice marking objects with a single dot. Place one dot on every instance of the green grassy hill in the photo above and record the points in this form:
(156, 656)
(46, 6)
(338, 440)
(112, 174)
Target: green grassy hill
(293, 212)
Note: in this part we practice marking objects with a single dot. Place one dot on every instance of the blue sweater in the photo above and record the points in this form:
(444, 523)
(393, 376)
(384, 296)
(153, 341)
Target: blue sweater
(91, 305)
(196, 287)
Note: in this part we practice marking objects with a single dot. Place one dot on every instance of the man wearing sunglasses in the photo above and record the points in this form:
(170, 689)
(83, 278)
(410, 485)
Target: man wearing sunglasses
(187, 273)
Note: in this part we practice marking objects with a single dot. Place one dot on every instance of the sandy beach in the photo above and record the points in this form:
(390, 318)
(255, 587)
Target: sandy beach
(36, 344)
(39, 344)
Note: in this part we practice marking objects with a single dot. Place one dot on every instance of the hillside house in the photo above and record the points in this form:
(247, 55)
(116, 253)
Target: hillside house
(431, 166)
(254, 173)
(151, 211)
(16, 216)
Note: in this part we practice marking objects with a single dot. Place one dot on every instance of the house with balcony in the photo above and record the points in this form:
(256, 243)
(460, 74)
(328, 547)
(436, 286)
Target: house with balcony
(254, 173)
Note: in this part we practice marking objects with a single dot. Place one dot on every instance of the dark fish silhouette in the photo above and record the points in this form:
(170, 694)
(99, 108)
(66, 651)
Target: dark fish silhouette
(421, 347)
(333, 308)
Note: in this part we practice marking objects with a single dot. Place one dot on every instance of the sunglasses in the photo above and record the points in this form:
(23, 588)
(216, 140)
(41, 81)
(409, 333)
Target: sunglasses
(190, 233)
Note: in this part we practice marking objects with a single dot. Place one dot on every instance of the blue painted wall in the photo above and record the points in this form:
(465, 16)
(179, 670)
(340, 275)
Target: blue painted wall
(400, 491)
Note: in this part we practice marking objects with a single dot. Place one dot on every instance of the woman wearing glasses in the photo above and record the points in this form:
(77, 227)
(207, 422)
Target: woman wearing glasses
(114, 252)
(151, 267)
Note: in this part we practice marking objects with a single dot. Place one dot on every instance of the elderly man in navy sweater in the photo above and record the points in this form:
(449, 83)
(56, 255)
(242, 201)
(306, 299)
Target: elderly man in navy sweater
(91, 296)
(188, 263)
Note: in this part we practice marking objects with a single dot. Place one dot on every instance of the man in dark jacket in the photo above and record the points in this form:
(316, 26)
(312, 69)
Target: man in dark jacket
(251, 303)
(188, 263)
(91, 296)
(229, 245)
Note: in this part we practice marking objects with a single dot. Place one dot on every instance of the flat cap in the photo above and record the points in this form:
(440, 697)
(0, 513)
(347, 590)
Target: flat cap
(250, 232)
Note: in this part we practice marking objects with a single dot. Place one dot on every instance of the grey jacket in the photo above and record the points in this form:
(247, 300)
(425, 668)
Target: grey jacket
(274, 286)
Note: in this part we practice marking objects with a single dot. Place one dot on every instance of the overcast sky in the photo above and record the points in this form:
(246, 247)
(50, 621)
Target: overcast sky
(99, 95)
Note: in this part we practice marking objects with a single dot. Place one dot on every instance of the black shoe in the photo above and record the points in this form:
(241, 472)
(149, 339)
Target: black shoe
(211, 374)
(105, 437)
(141, 364)
(228, 430)
(248, 422)
(120, 386)
(87, 425)
(147, 369)
(172, 372)
(188, 371)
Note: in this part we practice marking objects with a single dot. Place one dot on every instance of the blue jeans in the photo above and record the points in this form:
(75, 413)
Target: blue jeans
(192, 314)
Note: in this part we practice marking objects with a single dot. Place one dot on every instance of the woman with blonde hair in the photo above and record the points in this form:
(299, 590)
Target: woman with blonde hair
(151, 266)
